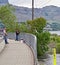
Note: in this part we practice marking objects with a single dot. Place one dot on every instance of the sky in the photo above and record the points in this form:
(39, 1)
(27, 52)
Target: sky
(37, 3)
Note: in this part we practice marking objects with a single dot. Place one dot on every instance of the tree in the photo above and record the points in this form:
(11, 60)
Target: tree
(23, 27)
(37, 24)
(36, 27)
(42, 42)
(7, 16)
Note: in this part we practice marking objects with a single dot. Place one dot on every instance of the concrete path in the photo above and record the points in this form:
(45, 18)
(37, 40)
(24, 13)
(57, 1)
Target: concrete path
(2, 45)
(16, 53)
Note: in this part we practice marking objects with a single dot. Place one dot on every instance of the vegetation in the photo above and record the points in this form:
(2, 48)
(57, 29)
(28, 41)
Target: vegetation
(56, 39)
(58, 47)
(42, 43)
(36, 27)
(23, 27)
(7, 17)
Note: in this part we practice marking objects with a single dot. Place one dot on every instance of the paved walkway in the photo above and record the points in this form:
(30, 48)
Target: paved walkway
(2, 45)
(16, 53)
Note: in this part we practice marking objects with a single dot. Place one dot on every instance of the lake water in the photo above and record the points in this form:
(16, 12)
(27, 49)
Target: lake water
(55, 32)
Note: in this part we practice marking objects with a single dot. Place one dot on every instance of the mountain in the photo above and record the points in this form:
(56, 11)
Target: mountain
(3, 2)
(23, 13)
(49, 13)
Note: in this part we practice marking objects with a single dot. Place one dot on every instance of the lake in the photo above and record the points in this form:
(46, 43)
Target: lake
(55, 32)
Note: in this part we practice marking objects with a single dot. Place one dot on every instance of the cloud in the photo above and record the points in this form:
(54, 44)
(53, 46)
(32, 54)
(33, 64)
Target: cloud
(25, 3)
(37, 3)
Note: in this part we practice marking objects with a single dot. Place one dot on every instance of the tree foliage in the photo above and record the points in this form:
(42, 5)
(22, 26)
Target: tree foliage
(7, 16)
(42, 40)
(37, 24)
(36, 27)
(23, 27)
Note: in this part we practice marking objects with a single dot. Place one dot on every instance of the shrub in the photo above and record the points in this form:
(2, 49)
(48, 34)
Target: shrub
(58, 47)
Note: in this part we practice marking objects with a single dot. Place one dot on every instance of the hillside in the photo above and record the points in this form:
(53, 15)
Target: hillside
(48, 12)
